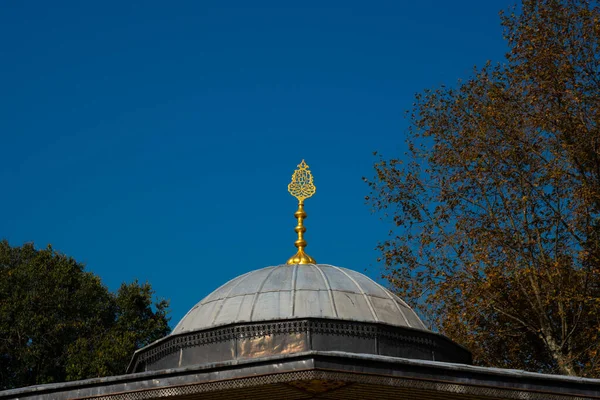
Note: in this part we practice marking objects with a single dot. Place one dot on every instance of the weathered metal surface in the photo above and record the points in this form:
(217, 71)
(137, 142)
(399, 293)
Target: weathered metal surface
(299, 291)
(332, 375)
(290, 336)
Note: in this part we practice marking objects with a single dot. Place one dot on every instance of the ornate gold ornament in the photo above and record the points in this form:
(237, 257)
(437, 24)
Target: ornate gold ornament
(301, 187)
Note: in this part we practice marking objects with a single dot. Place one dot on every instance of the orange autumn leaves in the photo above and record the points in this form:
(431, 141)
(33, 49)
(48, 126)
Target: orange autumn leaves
(496, 205)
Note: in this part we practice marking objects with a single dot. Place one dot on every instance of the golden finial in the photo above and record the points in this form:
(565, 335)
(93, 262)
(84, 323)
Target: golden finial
(301, 187)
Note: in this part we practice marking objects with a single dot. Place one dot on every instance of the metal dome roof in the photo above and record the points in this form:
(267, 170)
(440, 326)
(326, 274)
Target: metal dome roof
(299, 291)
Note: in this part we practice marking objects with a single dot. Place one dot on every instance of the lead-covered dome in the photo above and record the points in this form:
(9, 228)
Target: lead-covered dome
(296, 292)
(293, 309)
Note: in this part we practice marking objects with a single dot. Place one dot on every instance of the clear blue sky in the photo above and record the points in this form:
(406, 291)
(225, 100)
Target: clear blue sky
(155, 140)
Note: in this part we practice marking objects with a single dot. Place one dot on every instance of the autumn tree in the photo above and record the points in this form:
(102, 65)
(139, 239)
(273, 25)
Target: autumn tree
(58, 322)
(496, 236)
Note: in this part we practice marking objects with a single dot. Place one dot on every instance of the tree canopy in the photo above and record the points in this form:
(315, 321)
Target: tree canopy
(59, 322)
(496, 204)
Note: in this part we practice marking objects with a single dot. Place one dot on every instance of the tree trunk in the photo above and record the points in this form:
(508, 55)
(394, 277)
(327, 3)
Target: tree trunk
(565, 363)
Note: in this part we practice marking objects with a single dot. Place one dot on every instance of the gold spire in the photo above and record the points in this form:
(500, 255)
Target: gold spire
(301, 187)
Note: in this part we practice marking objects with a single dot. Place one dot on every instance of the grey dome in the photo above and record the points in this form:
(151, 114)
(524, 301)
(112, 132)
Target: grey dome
(299, 291)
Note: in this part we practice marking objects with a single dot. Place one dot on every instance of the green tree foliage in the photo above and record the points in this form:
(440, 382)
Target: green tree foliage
(496, 205)
(58, 322)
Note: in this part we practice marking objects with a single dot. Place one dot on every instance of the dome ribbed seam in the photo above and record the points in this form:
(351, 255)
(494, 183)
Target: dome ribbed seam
(237, 315)
(395, 303)
(367, 299)
(293, 296)
(259, 291)
(328, 286)
(242, 278)
(198, 304)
